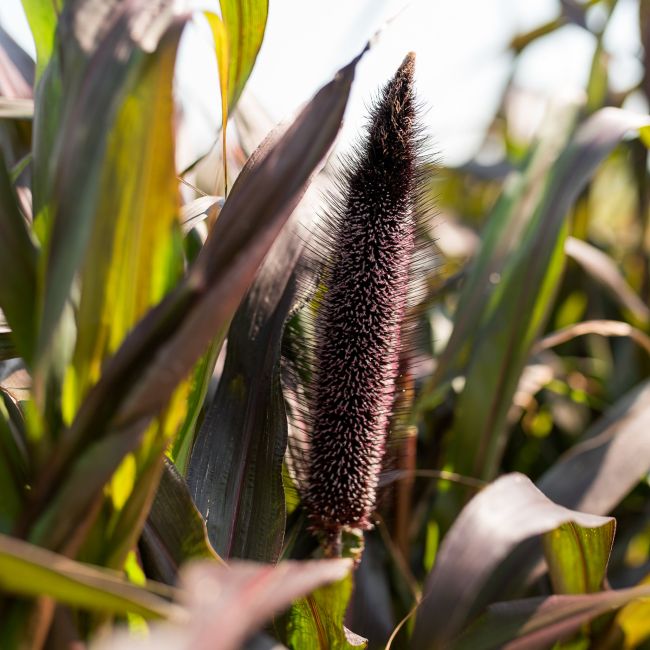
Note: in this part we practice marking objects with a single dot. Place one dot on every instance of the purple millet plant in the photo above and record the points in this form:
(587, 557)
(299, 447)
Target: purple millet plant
(359, 317)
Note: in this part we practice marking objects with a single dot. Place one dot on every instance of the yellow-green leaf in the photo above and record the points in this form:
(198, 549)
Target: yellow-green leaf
(577, 557)
(28, 570)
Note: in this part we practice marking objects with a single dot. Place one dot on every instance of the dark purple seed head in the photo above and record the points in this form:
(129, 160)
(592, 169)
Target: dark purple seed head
(357, 328)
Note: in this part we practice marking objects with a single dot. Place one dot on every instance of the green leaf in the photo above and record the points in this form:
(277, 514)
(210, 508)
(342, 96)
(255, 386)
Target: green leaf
(522, 299)
(577, 557)
(104, 55)
(18, 259)
(175, 531)
(317, 621)
(245, 22)
(506, 513)
(42, 19)
(500, 238)
(134, 253)
(137, 383)
(28, 570)
(537, 623)
(594, 475)
(235, 471)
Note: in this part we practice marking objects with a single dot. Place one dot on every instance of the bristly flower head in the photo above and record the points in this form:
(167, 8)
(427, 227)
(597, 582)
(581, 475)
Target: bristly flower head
(357, 327)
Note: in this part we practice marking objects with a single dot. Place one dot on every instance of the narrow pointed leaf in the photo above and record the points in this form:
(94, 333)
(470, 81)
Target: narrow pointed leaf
(139, 380)
(107, 47)
(32, 571)
(235, 471)
(503, 515)
(538, 623)
(245, 22)
(228, 604)
(523, 298)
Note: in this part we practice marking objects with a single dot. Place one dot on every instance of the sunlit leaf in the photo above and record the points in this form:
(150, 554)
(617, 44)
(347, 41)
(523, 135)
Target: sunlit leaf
(42, 18)
(139, 380)
(32, 571)
(577, 557)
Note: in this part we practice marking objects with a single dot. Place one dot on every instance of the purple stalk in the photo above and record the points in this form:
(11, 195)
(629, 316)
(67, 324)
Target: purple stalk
(357, 328)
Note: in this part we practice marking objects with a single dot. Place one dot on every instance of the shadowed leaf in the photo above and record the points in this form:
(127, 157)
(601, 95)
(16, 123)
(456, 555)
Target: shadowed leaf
(521, 300)
(18, 259)
(235, 471)
(504, 514)
(537, 623)
(174, 532)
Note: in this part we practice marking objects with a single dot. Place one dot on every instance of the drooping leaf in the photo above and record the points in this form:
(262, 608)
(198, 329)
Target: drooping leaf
(595, 474)
(175, 531)
(577, 557)
(237, 36)
(494, 522)
(32, 571)
(235, 471)
(522, 299)
(18, 259)
(537, 623)
(140, 379)
(228, 604)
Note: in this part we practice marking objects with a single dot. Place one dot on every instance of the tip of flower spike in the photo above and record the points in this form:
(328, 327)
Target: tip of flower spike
(408, 64)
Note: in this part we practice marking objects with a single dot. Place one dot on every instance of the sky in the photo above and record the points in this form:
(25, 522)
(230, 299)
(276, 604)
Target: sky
(461, 49)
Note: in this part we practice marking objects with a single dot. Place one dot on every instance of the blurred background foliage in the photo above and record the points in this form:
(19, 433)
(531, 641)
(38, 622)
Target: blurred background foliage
(135, 439)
